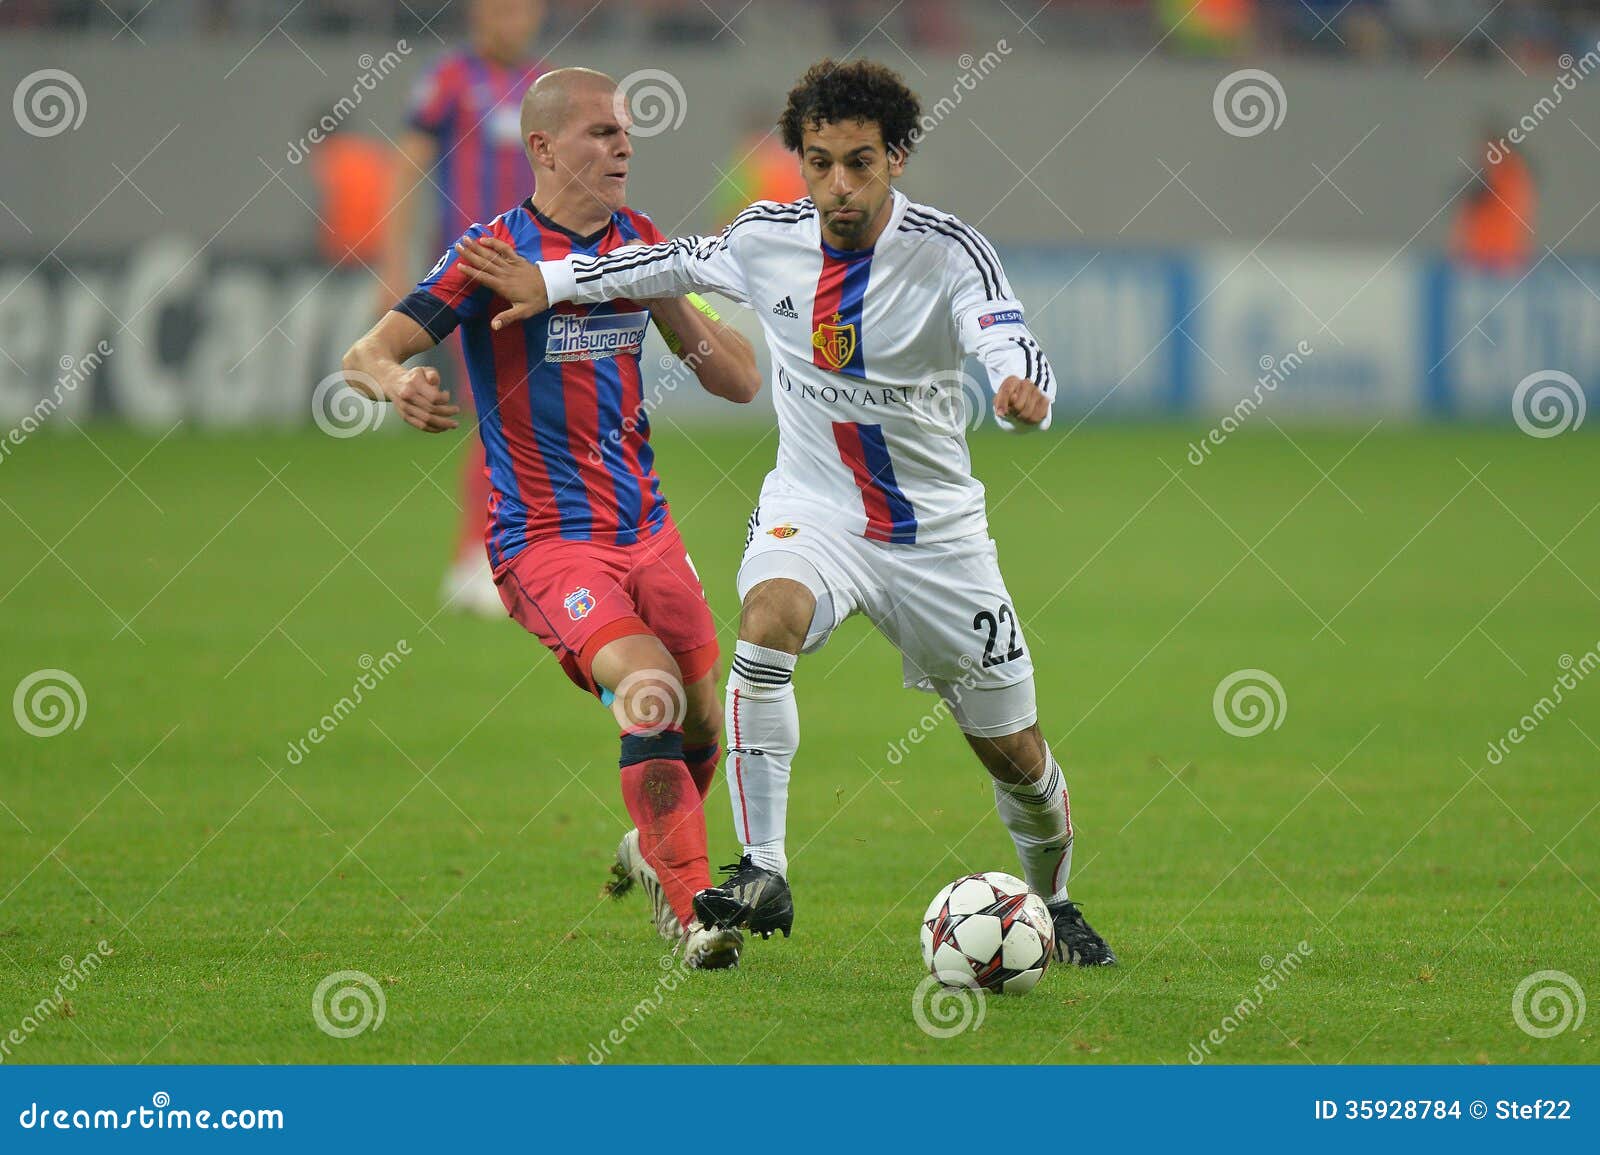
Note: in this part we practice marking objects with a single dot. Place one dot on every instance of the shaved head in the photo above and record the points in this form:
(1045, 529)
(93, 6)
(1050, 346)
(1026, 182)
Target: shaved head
(549, 101)
(575, 132)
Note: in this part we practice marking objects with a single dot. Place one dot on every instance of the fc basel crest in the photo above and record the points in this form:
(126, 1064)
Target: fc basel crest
(579, 602)
(836, 343)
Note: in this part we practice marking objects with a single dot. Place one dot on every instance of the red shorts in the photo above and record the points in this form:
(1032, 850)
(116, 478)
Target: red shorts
(576, 596)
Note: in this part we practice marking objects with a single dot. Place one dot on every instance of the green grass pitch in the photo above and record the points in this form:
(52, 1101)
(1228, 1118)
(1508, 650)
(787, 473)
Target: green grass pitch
(1413, 592)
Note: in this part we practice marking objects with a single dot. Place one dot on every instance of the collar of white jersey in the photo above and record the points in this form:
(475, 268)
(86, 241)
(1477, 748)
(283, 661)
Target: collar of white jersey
(897, 211)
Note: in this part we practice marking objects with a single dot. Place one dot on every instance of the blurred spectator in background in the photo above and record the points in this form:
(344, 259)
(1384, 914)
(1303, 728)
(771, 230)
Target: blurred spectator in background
(1209, 27)
(464, 141)
(1493, 231)
(759, 167)
(354, 175)
(1522, 32)
(1335, 27)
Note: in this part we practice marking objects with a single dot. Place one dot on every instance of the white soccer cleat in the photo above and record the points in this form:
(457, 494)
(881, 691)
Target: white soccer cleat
(468, 588)
(631, 868)
(711, 948)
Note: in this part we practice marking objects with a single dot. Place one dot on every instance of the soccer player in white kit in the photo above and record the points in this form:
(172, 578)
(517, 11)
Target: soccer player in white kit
(869, 303)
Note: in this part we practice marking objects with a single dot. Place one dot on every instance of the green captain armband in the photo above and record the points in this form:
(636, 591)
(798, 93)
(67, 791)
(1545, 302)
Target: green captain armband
(674, 342)
(704, 306)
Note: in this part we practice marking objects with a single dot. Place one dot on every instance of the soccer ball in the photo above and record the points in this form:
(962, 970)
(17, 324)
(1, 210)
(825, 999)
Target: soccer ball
(988, 930)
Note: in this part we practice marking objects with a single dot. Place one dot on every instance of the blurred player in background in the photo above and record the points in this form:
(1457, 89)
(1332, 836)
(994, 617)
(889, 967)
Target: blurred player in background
(759, 168)
(1493, 229)
(869, 303)
(354, 176)
(462, 149)
(586, 556)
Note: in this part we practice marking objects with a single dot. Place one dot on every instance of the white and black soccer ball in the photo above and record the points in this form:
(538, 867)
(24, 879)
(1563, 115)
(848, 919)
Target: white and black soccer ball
(988, 930)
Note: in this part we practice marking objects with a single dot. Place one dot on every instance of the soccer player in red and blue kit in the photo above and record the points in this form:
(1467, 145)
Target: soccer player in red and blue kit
(585, 553)
(462, 149)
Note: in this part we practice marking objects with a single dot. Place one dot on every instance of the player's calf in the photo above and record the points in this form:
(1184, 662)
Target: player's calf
(762, 723)
(702, 730)
(1030, 793)
(649, 702)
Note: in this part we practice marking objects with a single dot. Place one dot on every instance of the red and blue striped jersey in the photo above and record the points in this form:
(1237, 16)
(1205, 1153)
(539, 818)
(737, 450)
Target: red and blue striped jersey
(472, 107)
(559, 397)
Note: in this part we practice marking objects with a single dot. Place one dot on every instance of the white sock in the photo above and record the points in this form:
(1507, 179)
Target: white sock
(763, 733)
(1039, 818)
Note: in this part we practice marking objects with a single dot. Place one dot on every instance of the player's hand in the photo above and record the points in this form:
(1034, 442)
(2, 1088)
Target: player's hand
(490, 261)
(416, 394)
(1019, 399)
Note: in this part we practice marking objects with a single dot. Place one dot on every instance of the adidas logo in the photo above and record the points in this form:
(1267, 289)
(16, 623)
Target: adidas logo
(785, 308)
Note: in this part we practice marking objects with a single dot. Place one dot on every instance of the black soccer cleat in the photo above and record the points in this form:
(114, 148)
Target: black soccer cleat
(751, 897)
(1076, 940)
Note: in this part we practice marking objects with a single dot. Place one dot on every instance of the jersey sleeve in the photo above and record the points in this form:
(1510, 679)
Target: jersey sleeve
(668, 269)
(433, 97)
(447, 296)
(648, 232)
(989, 320)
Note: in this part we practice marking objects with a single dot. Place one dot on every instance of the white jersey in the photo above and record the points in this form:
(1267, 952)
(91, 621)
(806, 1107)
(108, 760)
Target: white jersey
(867, 348)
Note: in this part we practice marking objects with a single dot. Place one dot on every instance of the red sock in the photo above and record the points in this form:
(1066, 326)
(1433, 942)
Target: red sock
(702, 763)
(661, 796)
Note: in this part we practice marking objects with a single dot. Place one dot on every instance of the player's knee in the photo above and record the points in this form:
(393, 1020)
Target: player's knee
(650, 699)
(1014, 759)
(776, 614)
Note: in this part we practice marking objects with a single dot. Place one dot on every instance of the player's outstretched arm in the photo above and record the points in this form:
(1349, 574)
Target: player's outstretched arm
(375, 367)
(990, 328)
(670, 268)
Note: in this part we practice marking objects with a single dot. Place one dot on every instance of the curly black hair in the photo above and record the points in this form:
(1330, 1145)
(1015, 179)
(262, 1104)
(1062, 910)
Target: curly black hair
(862, 90)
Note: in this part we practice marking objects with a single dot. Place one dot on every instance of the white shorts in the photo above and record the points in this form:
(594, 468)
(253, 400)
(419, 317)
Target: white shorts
(944, 606)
